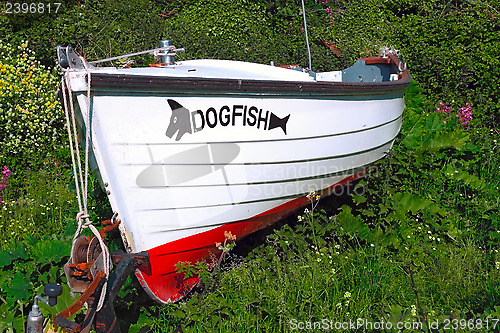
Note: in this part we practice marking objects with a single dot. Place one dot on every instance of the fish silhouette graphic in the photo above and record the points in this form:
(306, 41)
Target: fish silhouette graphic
(179, 121)
(182, 120)
(276, 122)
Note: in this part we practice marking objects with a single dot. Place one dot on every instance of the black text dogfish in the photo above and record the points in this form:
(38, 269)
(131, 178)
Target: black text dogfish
(184, 121)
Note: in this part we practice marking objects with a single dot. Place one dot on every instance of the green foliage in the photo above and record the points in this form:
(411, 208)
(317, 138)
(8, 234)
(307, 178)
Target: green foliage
(25, 268)
(450, 46)
(30, 117)
(221, 35)
(96, 29)
(359, 28)
(199, 269)
(42, 206)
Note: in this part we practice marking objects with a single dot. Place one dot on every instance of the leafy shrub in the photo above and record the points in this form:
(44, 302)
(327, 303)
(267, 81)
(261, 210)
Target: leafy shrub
(25, 268)
(238, 30)
(358, 28)
(30, 116)
(452, 53)
(96, 28)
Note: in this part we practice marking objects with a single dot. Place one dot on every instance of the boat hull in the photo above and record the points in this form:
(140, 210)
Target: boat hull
(182, 170)
(163, 282)
(189, 152)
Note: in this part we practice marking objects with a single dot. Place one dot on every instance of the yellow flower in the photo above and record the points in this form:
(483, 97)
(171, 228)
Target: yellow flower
(413, 310)
(311, 195)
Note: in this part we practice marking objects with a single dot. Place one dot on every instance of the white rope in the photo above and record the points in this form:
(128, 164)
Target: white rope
(81, 179)
(68, 127)
(87, 137)
(307, 37)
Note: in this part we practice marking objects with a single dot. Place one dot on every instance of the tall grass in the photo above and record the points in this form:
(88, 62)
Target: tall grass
(42, 207)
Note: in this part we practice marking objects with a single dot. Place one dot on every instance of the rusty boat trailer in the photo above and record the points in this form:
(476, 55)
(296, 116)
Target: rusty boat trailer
(86, 275)
(103, 320)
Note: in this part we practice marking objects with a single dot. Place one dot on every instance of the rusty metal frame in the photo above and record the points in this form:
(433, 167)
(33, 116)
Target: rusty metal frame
(105, 319)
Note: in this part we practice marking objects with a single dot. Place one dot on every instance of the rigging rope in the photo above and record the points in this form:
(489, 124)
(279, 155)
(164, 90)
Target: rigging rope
(307, 38)
(156, 51)
(81, 178)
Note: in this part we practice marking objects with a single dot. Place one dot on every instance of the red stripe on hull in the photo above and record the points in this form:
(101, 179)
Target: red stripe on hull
(161, 279)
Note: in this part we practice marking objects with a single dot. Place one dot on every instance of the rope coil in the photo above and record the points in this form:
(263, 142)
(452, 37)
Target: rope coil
(81, 178)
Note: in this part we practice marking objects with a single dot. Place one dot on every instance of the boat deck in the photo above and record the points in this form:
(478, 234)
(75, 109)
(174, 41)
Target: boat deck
(214, 68)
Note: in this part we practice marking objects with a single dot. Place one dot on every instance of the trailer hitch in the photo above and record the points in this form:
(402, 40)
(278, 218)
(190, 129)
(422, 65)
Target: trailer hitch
(105, 319)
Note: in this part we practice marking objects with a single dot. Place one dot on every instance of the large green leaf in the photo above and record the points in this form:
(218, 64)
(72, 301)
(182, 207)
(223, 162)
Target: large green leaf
(5, 258)
(460, 175)
(409, 202)
(434, 122)
(455, 140)
(20, 288)
(18, 251)
(353, 224)
(51, 250)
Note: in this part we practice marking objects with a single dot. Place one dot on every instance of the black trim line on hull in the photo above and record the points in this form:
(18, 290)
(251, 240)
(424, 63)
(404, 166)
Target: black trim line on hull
(235, 221)
(274, 181)
(291, 196)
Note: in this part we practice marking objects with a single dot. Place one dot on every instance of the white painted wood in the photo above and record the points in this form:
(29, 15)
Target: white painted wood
(165, 188)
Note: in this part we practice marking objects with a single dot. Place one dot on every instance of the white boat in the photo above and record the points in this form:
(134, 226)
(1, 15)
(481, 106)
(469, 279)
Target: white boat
(192, 149)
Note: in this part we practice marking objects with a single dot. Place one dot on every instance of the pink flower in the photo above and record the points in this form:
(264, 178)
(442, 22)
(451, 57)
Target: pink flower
(443, 108)
(6, 171)
(5, 178)
(465, 114)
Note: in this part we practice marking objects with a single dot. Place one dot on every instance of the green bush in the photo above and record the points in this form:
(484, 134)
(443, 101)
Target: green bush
(453, 52)
(42, 204)
(239, 30)
(30, 115)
